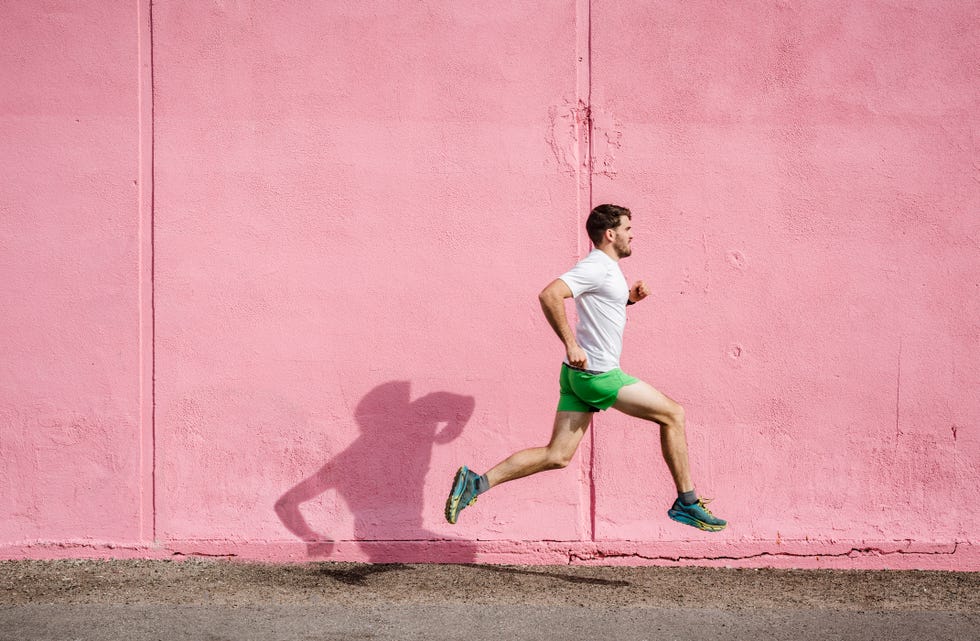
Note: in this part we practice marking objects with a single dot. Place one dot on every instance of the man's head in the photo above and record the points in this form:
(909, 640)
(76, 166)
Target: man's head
(609, 225)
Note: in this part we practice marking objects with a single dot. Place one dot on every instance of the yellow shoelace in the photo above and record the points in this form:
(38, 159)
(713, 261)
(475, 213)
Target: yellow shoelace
(704, 505)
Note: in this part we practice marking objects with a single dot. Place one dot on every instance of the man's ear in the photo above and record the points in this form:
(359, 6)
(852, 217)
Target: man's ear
(610, 235)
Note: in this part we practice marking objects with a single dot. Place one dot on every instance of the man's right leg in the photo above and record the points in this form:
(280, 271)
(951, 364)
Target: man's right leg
(566, 435)
(644, 401)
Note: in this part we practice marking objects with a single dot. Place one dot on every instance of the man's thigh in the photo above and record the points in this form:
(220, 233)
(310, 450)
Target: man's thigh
(642, 400)
(569, 429)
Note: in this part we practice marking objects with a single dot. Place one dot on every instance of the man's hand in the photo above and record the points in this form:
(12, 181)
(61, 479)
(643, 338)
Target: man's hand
(639, 291)
(577, 357)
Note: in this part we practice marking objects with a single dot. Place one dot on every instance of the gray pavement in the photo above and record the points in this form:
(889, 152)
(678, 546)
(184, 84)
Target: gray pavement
(484, 622)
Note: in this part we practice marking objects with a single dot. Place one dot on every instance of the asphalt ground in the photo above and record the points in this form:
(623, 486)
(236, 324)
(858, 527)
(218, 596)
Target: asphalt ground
(217, 600)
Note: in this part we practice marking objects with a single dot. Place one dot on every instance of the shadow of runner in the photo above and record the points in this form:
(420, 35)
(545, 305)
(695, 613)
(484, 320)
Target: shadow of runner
(585, 580)
(381, 475)
(359, 574)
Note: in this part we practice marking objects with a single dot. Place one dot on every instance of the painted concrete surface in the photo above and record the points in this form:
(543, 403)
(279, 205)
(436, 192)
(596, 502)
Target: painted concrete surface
(811, 176)
(69, 285)
(270, 276)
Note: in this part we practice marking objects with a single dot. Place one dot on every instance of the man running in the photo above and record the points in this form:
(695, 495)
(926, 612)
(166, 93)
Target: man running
(590, 376)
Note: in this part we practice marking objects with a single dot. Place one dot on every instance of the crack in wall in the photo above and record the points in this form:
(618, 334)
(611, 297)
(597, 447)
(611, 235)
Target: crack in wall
(965, 554)
(898, 392)
(852, 553)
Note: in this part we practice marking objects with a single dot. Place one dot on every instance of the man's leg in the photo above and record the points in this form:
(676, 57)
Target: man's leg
(567, 434)
(642, 400)
(568, 431)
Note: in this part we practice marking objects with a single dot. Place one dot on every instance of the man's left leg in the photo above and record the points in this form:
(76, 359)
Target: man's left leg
(642, 400)
(566, 434)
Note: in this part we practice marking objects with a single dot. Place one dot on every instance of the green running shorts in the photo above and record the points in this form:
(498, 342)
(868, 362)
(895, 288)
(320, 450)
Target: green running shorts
(583, 391)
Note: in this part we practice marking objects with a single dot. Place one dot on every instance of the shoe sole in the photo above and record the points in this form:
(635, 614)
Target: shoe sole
(680, 517)
(452, 503)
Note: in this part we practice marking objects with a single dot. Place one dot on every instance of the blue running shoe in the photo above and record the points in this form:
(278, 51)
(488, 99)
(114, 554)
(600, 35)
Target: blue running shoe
(696, 515)
(462, 494)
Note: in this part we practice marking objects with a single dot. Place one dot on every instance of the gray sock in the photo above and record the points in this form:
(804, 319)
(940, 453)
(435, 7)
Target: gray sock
(688, 498)
(481, 485)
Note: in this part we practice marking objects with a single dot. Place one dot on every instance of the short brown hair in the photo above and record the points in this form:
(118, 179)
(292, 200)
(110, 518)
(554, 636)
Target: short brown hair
(602, 218)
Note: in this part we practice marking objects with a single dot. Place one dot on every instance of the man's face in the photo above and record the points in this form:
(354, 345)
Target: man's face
(622, 237)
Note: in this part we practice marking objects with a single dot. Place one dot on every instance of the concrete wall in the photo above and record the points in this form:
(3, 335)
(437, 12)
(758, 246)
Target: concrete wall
(70, 284)
(269, 275)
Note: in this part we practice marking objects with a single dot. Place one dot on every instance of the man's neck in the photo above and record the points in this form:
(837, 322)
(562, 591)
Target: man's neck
(610, 251)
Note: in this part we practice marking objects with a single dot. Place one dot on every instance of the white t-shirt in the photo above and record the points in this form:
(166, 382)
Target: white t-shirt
(601, 293)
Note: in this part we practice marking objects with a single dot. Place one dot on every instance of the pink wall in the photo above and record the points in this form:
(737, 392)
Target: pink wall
(270, 275)
(70, 283)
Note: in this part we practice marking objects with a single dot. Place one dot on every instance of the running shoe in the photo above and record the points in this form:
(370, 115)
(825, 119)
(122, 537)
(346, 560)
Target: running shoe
(462, 494)
(696, 515)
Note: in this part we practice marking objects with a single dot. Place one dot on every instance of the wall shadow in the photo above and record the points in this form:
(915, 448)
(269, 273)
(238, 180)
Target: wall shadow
(381, 475)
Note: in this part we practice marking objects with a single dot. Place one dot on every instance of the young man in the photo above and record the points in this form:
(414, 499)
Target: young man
(590, 376)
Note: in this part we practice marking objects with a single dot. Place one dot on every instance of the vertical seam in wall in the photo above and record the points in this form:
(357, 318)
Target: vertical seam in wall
(147, 429)
(590, 132)
(153, 257)
(583, 111)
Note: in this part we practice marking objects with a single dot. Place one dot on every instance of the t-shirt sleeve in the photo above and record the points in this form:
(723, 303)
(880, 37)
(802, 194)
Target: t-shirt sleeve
(584, 277)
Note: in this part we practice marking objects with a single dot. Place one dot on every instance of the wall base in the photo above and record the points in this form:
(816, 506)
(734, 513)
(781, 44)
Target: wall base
(844, 555)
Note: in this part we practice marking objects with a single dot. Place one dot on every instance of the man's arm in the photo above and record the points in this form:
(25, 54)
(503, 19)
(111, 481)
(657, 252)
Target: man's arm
(552, 299)
(638, 292)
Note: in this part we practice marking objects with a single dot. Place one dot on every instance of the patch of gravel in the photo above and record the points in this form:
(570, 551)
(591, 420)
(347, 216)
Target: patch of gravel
(209, 582)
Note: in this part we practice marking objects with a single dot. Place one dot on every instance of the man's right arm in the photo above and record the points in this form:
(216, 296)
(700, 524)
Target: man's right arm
(552, 299)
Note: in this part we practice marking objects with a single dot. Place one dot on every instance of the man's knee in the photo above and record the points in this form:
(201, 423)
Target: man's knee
(671, 417)
(674, 418)
(558, 459)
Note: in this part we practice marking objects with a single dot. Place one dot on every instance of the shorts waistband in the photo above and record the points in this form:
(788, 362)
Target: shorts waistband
(582, 369)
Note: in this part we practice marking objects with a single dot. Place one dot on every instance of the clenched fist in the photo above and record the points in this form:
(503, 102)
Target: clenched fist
(639, 291)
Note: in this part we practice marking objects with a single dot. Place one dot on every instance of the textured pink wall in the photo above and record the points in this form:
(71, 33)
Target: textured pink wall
(70, 311)
(809, 174)
(353, 207)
